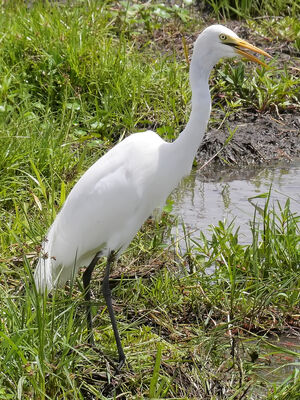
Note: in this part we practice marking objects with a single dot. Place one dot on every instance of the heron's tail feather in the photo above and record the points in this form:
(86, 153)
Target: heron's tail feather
(43, 275)
(54, 268)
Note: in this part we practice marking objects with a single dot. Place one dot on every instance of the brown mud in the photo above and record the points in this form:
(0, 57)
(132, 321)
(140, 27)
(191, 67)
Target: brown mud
(257, 139)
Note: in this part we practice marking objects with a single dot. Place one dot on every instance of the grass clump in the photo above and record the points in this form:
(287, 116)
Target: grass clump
(253, 8)
(177, 322)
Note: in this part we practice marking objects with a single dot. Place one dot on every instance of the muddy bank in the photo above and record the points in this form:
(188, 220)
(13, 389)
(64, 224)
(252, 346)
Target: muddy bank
(257, 139)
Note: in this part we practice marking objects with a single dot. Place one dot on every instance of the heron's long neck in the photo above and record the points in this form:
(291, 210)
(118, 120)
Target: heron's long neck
(188, 142)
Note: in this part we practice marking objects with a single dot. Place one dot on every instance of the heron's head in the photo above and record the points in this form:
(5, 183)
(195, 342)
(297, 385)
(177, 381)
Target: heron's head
(217, 42)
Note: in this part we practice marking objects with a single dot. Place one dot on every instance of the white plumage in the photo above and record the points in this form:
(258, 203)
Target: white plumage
(108, 205)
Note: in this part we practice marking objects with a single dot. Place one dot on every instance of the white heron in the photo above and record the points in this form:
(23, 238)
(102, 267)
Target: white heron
(113, 198)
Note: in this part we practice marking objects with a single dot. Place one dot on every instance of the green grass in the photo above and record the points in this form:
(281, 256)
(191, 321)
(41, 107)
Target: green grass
(253, 8)
(74, 80)
(176, 325)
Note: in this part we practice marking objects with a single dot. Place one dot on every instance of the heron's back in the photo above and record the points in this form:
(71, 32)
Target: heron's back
(105, 208)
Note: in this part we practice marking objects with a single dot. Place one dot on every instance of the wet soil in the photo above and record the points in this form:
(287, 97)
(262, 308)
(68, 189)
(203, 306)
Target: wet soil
(257, 139)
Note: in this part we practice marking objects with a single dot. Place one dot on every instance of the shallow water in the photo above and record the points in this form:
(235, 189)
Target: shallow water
(199, 202)
(278, 365)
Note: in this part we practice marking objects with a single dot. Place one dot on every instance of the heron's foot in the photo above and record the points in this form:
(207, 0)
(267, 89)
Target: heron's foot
(116, 367)
(121, 363)
(119, 366)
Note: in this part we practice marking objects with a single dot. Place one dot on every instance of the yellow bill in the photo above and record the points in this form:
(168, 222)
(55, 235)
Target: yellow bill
(240, 44)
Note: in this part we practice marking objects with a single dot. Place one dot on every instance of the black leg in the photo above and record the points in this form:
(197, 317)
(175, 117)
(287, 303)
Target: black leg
(107, 296)
(86, 278)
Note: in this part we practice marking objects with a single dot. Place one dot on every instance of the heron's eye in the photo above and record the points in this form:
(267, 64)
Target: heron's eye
(222, 36)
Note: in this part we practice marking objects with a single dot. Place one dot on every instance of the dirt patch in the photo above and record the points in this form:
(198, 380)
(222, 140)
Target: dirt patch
(257, 139)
